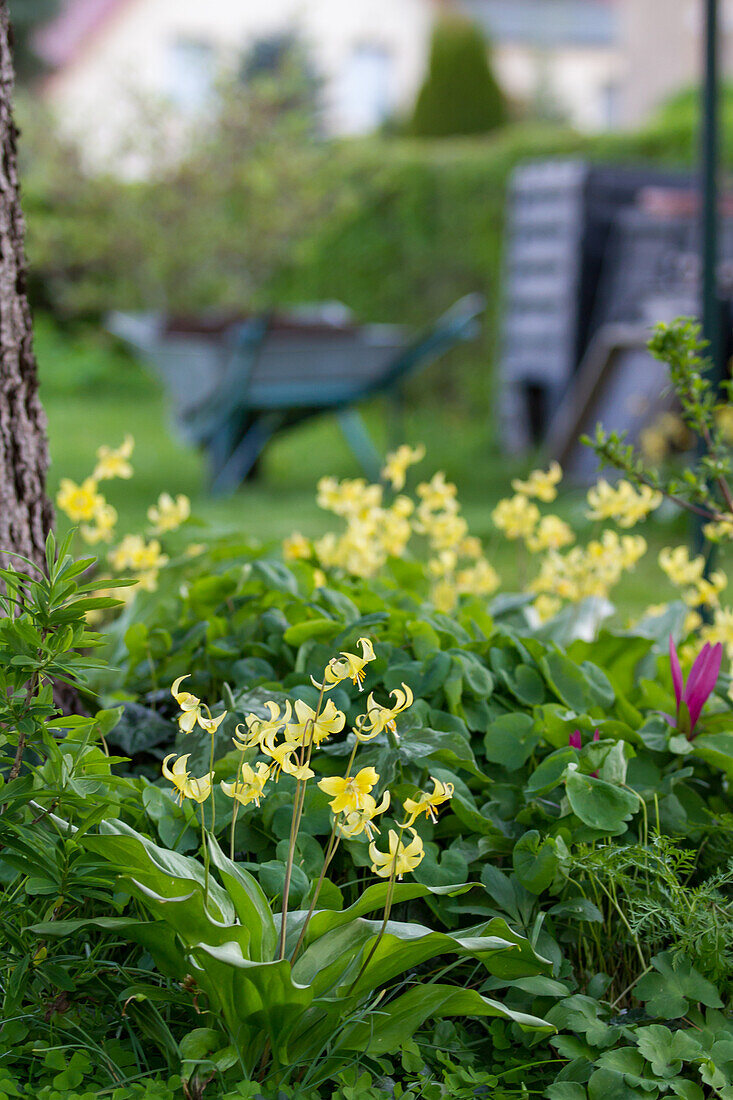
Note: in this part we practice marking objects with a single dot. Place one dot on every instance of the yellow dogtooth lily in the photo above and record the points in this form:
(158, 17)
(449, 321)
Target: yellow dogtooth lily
(379, 718)
(348, 793)
(355, 822)
(347, 666)
(426, 803)
(401, 858)
(261, 729)
(187, 785)
(249, 784)
(311, 729)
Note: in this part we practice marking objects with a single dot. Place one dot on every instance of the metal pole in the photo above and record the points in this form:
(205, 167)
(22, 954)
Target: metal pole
(709, 184)
(710, 312)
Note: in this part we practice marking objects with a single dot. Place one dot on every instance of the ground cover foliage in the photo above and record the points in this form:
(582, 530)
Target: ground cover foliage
(354, 822)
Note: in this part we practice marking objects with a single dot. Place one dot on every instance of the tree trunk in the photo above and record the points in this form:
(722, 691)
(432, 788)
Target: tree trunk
(25, 511)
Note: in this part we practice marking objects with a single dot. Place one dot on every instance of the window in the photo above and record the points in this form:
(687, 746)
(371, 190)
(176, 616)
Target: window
(190, 75)
(366, 93)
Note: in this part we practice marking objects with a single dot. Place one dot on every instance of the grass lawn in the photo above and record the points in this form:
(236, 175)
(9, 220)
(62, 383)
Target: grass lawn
(81, 417)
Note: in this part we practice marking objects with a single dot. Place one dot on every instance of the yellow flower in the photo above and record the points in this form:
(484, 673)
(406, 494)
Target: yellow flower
(437, 495)
(105, 519)
(297, 547)
(546, 607)
(134, 553)
(400, 860)
(310, 729)
(262, 728)
(552, 533)
(169, 514)
(516, 516)
(445, 596)
(211, 725)
(190, 705)
(114, 463)
(187, 785)
(348, 794)
(379, 718)
(719, 532)
(540, 483)
(624, 504)
(249, 785)
(398, 462)
(347, 666)
(79, 502)
(427, 803)
(284, 757)
(721, 629)
(706, 590)
(359, 821)
(679, 567)
(471, 547)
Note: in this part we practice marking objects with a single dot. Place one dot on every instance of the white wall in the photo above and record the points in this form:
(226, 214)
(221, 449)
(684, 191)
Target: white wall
(582, 82)
(370, 53)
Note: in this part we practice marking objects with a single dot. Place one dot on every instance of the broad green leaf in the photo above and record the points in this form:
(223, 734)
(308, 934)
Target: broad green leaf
(511, 740)
(398, 1021)
(311, 628)
(251, 905)
(676, 985)
(535, 861)
(599, 804)
(666, 1051)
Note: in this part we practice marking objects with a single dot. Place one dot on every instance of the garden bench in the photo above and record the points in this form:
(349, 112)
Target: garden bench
(235, 383)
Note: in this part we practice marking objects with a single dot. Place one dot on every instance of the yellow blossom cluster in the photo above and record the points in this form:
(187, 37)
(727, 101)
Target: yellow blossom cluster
(287, 737)
(86, 505)
(688, 575)
(142, 558)
(592, 570)
(168, 514)
(622, 503)
(377, 530)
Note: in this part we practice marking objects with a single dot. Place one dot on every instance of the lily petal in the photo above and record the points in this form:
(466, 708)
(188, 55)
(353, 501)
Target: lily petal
(677, 680)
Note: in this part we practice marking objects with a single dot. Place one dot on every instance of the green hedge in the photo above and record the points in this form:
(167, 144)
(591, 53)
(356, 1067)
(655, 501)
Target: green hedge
(405, 227)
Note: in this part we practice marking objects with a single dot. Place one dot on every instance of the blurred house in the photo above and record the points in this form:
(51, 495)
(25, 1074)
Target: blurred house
(598, 64)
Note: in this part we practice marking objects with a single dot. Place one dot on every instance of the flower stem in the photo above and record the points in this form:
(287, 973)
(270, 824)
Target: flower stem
(205, 847)
(305, 756)
(333, 843)
(387, 911)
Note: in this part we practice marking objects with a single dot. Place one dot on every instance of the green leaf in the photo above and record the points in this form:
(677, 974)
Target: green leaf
(674, 987)
(535, 861)
(511, 740)
(249, 902)
(385, 1031)
(311, 628)
(599, 804)
(664, 1050)
(566, 1090)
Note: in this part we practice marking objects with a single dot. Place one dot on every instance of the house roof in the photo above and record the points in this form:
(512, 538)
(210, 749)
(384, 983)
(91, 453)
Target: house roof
(59, 41)
(547, 23)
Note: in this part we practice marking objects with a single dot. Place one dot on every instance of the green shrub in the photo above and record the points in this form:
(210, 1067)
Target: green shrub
(460, 94)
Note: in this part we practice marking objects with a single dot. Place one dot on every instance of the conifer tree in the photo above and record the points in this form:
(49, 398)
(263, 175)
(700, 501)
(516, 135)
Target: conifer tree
(460, 94)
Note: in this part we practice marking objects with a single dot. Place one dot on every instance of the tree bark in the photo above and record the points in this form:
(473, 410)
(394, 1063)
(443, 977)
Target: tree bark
(26, 514)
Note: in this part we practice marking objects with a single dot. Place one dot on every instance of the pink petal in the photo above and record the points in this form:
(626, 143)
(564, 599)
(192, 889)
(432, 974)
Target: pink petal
(575, 741)
(705, 682)
(677, 680)
(597, 735)
(697, 669)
